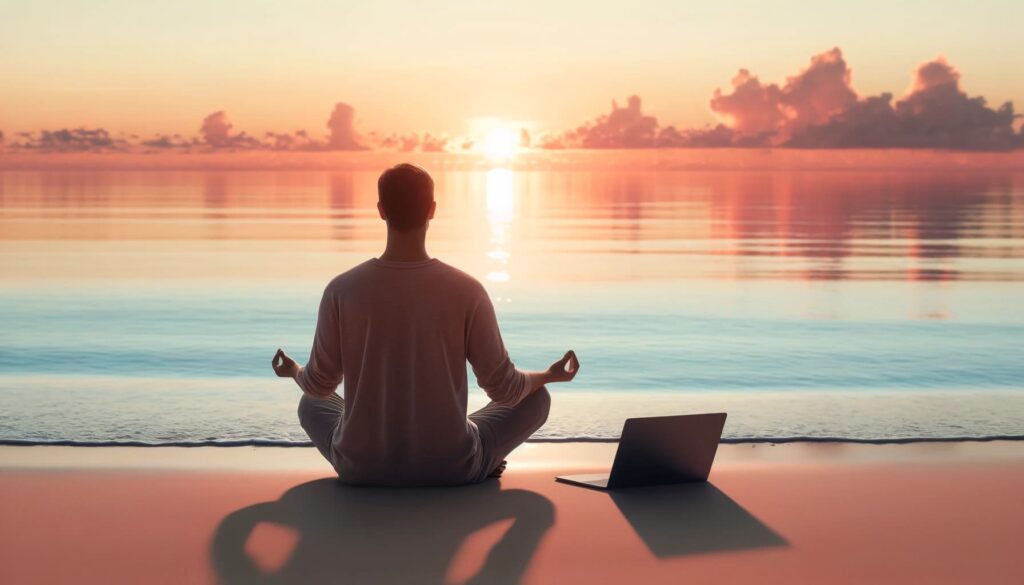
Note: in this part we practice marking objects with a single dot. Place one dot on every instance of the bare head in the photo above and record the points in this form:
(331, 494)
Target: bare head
(405, 198)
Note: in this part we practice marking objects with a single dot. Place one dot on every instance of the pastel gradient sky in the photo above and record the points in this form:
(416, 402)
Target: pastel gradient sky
(151, 67)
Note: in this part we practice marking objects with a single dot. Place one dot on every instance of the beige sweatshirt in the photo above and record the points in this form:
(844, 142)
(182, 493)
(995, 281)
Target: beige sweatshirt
(399, 335)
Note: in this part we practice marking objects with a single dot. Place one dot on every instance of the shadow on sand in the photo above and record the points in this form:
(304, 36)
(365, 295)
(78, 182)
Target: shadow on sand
(690, 519)
(377, 535)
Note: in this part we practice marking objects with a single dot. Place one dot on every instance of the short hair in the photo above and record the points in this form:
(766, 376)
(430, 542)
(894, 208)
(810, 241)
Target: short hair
(405, 193)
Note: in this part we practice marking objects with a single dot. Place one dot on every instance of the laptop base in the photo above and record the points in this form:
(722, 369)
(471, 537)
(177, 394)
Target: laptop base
(595, 481)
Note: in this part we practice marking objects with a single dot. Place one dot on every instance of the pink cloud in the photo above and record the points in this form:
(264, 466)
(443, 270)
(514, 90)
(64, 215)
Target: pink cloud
(811, 97)
(71, 140)
(216, 129)
(623, 127)
(934, 74)
(815, 108)
(935, 113)
(818, 92)
(216, 132)
(751, 108)
(341, 125)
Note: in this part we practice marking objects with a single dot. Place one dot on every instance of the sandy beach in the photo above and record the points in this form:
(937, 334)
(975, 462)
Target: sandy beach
(822, 513)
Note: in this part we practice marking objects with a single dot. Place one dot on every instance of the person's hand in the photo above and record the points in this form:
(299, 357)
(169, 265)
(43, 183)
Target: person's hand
(565, 369)
(284, 366)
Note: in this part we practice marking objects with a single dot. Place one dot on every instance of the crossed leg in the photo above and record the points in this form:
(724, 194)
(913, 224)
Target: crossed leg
(320, 418)
(503, 428)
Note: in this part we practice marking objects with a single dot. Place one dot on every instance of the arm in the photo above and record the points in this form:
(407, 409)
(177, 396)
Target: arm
(494, 370)
(323, 372)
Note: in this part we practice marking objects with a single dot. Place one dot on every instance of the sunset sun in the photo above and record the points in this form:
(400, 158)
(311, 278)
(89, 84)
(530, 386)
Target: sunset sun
(501, 142)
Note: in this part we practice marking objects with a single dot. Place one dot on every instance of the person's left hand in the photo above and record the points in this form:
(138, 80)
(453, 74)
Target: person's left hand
(565, 369)
(284, 366)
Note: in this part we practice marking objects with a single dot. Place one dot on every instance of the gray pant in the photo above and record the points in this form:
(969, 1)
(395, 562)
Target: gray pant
(502, 428)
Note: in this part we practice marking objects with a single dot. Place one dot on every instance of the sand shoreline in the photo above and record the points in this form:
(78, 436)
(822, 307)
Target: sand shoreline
(553, 455)
(794, 513)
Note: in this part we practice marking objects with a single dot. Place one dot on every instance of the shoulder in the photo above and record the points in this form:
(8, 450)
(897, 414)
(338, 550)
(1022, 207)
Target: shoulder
(347, 279)
(462, 280)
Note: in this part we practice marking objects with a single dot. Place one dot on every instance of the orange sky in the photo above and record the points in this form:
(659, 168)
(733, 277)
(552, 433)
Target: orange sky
(150, 67)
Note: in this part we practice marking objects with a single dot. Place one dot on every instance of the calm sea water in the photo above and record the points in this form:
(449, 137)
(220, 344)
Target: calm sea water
(146, 305)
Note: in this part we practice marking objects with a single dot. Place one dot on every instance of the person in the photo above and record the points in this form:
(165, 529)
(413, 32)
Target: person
(396, 332)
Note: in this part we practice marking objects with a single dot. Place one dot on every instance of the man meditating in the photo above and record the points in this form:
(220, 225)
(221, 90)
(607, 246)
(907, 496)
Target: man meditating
(398, 330)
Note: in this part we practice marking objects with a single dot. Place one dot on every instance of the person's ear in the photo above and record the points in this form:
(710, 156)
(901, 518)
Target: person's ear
(433, 206)
(380, 210)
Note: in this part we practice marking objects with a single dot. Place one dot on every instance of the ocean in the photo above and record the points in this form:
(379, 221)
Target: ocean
(867, 302)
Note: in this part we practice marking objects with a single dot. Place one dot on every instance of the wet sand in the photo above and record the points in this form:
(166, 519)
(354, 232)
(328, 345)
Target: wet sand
(822, 513)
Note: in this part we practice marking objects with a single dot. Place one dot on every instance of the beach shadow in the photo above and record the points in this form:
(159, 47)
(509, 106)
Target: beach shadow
(345, 534)
(690, 519)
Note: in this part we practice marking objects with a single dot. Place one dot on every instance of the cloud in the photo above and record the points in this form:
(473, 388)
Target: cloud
(935, 113)
(402, 143)
(811, 97)
(216, 132)
(818, 108)
(300, 140)
(934, 74)
(623, 127)
(71, 140)
(869, 123)
(630, 127)
(818, 92)
(216, 129)
(719, 136)
(751, 108)
(431, 143)
(341, 125)
(167, 141)
(423, 142)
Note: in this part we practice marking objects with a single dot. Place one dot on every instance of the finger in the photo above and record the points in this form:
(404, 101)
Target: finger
(279, 353)
(570, 360)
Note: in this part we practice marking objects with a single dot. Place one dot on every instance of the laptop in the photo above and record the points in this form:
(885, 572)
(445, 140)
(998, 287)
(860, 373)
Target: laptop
(659, 450)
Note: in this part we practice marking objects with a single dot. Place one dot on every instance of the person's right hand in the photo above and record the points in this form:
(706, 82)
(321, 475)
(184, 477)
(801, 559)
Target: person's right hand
(565, 369)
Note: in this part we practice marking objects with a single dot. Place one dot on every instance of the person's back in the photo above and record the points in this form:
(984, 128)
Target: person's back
(397, 331)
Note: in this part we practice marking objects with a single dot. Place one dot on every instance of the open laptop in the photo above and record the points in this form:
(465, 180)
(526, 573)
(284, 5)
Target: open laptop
(659, 450)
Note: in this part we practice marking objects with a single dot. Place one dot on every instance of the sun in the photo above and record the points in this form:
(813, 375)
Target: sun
(501, 142)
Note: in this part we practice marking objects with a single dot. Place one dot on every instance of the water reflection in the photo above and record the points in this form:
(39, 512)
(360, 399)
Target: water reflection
(501, 201)
(340, 203)
(616, 224)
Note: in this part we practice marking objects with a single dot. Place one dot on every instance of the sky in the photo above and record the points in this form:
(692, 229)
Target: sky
(162, 67)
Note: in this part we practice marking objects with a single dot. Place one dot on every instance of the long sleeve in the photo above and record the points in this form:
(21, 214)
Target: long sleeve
(323, 372)
(494, 370)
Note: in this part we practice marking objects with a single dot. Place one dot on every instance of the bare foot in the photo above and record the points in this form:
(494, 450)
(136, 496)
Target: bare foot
(497, 471)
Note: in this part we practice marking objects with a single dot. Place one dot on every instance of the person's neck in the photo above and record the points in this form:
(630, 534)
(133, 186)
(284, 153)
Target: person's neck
(406, 247)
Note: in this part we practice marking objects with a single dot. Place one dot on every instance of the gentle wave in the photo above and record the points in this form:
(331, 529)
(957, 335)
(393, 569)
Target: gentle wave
(732, 441)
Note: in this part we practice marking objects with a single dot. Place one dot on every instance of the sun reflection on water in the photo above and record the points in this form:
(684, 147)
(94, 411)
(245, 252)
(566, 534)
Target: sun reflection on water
(501, 202)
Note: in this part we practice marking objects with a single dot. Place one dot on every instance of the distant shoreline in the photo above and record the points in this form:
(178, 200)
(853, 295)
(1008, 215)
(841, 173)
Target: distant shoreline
(663, 159)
